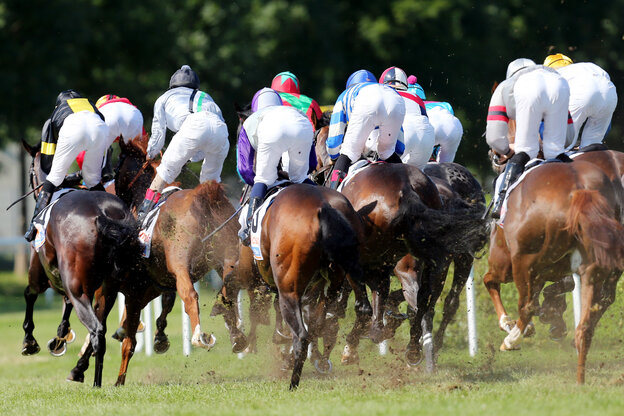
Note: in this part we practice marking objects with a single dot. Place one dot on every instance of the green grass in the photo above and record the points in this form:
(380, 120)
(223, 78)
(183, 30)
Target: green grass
(538, 379)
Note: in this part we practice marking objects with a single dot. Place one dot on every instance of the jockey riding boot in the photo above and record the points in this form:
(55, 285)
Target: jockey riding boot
(72, 180)
(151, 198)
(563, 157)
(43, 199)
(340, 171)
(256, 196)
(107, 171)
(98, 187)
(513, 170)
(395, 158)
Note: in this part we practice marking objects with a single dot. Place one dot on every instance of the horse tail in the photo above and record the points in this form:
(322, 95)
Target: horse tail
(120, 239)
(339, 240)
(591, 220)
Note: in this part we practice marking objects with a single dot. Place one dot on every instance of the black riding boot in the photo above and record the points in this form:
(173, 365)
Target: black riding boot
(145, 207)
(513, 170)
(43, 199)
(245, 234)
(340, 171)
(98, 187)
(395, 158)
(107, 171)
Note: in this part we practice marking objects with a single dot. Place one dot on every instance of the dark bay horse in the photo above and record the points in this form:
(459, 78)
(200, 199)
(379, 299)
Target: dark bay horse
(178, 256)
(310, 240)
(89, 247)
(561, 217)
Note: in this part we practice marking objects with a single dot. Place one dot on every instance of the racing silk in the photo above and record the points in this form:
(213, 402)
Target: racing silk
(432, 104)
(503, 108)
(172, 108)
(52, 126)
(248, 144)
(303, 103)
(413, 104)
(340, 120)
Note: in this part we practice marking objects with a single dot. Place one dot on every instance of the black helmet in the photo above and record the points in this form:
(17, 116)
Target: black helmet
(184, 77)
(66, 95)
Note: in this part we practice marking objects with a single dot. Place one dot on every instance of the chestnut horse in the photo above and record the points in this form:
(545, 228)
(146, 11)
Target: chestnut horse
(310, 240)
(561, 217)
(89, 247)
(178, 257)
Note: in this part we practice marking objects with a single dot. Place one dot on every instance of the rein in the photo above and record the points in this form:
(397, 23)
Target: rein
(138, 174)
(216, 230)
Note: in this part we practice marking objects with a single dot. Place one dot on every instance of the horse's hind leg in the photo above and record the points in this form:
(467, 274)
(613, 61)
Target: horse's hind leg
(64, 334)
(554, 305)
(161, 341)
(190, 297)
(363, 313)
(291, 311)
(37, 283)
(463, 264)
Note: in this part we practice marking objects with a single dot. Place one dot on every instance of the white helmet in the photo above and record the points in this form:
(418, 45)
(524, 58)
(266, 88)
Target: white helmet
(517, 65)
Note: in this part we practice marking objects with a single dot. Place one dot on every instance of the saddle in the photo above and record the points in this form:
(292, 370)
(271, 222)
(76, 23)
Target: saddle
(147, 228)
(41, 220)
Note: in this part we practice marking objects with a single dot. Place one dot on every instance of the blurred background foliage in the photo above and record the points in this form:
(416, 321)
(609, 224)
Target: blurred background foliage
(457, 49)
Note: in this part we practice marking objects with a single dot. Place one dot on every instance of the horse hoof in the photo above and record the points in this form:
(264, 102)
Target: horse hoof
(75, 377)
(413, 358)
(505, 347)
(70, 337)
(57, 347)
(279, 338)
(161, 345)
(349, 356)
(323, 366)
(557, 333)
(204, 341)
(119, 334)
(30, 348)
(251, 349)
(141, 327)
(529, 330)
(239, 344)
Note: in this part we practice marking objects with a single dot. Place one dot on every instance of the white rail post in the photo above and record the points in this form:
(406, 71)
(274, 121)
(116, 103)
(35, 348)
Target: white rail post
(383, 345)
(471, 308)
(576, 298)
(148, 335)
(241, 321)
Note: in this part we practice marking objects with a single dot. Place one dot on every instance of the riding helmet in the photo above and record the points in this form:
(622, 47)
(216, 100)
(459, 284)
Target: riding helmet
(395, 78)
(66, 95)
(266, 97)
(184, 77)
(557, 60)
(104, 99)
(361, 75)
(286, 82)
(517, 65)
(414, 87)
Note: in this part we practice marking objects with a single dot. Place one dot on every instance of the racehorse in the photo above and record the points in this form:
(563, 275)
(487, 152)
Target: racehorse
(612, 164)
(310, 239)
(403, 214)
(561, 217)
(179, 257)
(88, 247)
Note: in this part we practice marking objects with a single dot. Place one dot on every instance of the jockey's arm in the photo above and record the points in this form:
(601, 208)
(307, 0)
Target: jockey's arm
(337, 129)
(497, 127)
(245, 154)
(570, 133)
(159, 129)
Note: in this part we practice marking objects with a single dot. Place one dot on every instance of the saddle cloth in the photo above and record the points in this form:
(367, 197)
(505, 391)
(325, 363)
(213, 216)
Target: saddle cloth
(147, 228)
(41, 220)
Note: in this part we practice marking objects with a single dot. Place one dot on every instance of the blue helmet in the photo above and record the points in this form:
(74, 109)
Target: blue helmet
(414, 87)
(361, 75)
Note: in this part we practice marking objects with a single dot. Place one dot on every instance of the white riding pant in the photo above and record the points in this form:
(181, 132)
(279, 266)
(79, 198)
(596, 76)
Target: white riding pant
(203, 134)
(375, 106)
(283, 132)
(80, 131)
(419, 136)
(592, 102)
(541, 95)
(448, 132)
(123, 120)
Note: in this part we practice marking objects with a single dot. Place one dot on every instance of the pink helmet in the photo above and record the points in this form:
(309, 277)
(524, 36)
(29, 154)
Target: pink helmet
(394, 77)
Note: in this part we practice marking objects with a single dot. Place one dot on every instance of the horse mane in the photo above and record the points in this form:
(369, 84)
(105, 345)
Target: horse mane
(324, 120)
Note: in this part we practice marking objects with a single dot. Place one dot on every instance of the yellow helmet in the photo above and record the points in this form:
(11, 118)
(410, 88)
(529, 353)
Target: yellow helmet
(557, 60)
(104, 99)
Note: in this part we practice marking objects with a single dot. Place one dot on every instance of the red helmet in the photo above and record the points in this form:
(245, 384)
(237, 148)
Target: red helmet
(394, 77)
(286, 82)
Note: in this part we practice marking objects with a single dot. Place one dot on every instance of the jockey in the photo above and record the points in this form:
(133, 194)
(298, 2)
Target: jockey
(287, 86)
(200, 133)
(530, 93)
(271, 130)
(419, 135)
(363, 107)
(123, 120)
(448, 129)
(592, 98)
(75, 125)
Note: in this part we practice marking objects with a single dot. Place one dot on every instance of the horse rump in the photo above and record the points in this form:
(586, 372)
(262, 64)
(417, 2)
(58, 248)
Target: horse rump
(120, 237)
(590, 219)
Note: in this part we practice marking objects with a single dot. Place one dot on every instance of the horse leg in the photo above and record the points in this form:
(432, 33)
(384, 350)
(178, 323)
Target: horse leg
(291, 311)
(492, 282)
(554, 305)
(281, 334)
(37, 283)
(133, 318)
(363, 313)
(161, 340)
(226, 305)
(463, 264)
(330, 325)
(380, 290)
(191, 307)
(407, 271)
(64, 334)
(260, 301)
(434, 277)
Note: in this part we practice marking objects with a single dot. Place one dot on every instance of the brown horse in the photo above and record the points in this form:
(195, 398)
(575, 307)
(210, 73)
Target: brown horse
(179, 257)
(310, 239)
(560, 217)
(89, 247)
